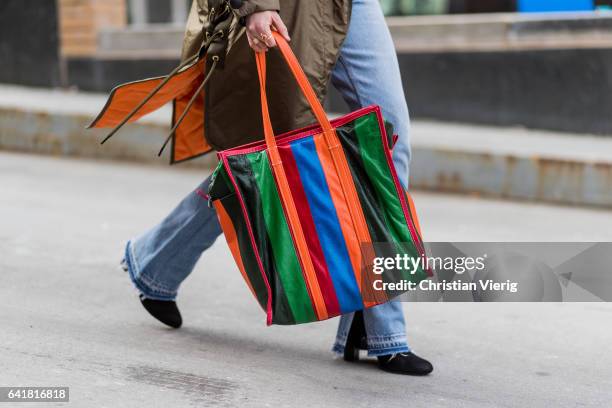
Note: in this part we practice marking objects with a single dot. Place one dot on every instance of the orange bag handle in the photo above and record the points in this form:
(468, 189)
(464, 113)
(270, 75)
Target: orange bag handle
(307, 91)
(279, 172)
(340, 164)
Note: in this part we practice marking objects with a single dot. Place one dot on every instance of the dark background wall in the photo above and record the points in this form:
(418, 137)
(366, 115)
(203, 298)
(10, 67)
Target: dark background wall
(567, 90)
(481, 6)
(103, 74)
(159, 11)
(560, 89)
(29, 42)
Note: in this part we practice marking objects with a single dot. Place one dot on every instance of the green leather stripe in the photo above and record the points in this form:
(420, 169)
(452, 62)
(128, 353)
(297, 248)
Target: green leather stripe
(222, 189)
(370, 203)
(372, 148)
(375, 163)
(365, 186)
(232, 207)
(363, 147)
(288, 267)
(243, 174)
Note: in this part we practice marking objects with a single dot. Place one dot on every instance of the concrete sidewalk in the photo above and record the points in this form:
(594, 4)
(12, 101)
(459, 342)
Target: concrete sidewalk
(512, 163)
(71, 318)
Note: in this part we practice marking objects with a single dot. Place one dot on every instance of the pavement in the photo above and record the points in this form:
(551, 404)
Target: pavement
(511, 162)
(69, 316)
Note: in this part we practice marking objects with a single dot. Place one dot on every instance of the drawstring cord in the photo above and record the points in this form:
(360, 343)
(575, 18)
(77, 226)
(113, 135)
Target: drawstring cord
(160, 86)
(215, 59)
(148, 97)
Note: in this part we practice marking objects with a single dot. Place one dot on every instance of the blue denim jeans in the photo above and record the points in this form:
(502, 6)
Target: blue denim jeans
(366, 73)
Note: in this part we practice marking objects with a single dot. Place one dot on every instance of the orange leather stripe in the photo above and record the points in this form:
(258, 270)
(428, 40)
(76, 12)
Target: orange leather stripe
(232, 240)
(286, 198)
(413, 214)
(358, 219)
(300, 243)
(333, 145)
(351, 237)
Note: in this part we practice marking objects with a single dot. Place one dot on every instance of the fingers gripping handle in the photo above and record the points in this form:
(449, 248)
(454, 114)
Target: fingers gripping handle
(304, 84)
(284, 190)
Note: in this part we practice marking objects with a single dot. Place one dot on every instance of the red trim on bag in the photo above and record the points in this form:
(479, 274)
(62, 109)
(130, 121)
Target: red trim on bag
(398, 187)
(310, 232)
(287, 138)
(247, 221)
(202, 194)
(290, 136)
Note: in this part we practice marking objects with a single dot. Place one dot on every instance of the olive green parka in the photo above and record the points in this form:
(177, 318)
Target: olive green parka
(232, 110)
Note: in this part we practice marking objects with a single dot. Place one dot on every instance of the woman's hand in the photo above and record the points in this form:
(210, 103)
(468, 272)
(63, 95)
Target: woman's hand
(259, 28)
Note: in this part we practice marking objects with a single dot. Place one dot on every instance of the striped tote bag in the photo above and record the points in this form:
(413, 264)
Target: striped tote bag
(306, 213)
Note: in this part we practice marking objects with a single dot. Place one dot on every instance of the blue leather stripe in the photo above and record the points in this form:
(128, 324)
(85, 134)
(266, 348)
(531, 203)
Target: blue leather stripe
(327, 225)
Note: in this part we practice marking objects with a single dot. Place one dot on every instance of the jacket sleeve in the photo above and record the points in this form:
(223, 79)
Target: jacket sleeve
(252, 6)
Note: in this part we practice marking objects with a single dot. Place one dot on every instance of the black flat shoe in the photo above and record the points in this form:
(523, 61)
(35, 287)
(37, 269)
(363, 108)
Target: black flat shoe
(405, 363)
(401, 363)
(165, 311)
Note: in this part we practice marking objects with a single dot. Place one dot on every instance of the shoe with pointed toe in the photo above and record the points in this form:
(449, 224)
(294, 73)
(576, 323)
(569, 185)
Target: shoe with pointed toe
(166, 311)
(405, 363)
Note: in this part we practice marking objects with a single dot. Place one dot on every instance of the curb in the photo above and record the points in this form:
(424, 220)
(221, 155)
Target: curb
(65, 134)
(560, 181)
(448, 168)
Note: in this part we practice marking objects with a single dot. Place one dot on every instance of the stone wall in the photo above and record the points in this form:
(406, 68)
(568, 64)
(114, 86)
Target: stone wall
(82, 20)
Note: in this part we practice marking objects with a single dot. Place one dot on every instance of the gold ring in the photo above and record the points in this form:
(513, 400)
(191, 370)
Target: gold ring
(264, 37)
